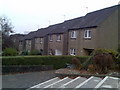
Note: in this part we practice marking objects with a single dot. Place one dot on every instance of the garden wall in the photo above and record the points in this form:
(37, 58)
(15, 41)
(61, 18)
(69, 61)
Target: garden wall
(25, 68)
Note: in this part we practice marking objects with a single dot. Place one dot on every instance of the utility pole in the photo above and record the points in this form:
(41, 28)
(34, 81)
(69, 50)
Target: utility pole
(64, 17)
(49, 22)
(38, 26)
(86, 9)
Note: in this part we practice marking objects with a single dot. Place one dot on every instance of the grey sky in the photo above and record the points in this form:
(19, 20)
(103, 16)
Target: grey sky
(29, 15)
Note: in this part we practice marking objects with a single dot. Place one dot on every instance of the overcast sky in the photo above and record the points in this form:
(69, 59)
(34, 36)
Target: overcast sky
(29, 15)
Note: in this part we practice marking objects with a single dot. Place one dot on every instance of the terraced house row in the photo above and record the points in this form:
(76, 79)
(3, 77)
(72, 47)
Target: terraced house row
(79, 36)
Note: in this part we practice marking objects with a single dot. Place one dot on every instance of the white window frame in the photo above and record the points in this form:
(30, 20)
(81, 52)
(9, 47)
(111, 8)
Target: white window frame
(73, 34)
(51, 38)
(72, 51)
(87, 34)
(58, 37)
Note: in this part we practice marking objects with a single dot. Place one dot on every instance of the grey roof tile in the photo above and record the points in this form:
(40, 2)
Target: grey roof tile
(92, 19)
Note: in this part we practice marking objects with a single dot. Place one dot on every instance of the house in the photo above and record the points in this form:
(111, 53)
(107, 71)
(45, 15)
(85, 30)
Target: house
(41, 40)
(27, 42)
(79, 36)
(15, 38)
(58, 37)
(98, 29)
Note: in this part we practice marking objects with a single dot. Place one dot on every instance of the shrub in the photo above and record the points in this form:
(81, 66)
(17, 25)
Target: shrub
(77, 63)
(119, 50)
(56, 61)
(10, 52)
(117, 61)
(34, 52)
(24, 53)
(114, 57)
(87, 63)
(91, 68)
(102, 62)
(100, 50)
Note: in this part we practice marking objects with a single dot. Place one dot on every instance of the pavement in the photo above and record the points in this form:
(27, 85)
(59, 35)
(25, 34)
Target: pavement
(26, 80)
(92, 83)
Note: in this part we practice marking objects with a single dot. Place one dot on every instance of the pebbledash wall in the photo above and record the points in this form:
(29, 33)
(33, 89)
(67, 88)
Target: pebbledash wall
(79, 36)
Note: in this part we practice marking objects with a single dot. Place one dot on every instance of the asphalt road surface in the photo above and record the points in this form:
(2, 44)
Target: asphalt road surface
(26, 80)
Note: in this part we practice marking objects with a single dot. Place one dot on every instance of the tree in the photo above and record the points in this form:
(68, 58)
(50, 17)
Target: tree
(6, 28)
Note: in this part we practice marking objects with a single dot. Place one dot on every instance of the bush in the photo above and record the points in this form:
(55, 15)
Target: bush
(77, 63)
(102, 62)
(24, 53)
(100, 50)
(34, 52)
(118, 50)
(91, 68)
(10, 52)
(97, 52)
(117, 61)
(56, 61)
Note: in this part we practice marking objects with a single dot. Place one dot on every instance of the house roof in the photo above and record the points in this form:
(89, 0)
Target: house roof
(95, 18)
(92, 19)
(44, 31)
(29, 36)
(63, 27)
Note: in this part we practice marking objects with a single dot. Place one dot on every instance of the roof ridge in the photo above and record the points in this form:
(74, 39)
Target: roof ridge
(106, 8)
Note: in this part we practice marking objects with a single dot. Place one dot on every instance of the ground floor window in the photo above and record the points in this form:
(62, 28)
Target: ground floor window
(58, 52)
(72, 51)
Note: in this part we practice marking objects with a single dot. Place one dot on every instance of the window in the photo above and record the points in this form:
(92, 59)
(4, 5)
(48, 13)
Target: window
(50, 38)
(73, 34)
(58, 37)
(72, 51)
(87, 34)
(41, 40)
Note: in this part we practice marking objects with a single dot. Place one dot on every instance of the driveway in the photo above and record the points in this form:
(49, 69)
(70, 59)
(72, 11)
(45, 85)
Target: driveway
(26, 80)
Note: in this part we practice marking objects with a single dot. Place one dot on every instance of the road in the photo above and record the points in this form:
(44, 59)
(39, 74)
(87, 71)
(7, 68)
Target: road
(26, 80)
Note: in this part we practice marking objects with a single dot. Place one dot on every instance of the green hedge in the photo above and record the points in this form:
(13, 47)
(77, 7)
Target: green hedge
(56, 61)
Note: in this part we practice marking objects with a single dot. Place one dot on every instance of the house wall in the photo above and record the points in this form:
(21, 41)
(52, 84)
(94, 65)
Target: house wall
(55, 44)
(22, 45)
(28, 45)
(65, 43)
(103, 36)
(45, 46)
(39, 45)
(15, 38)
(80, 43)
(108, 32)
(119, 27)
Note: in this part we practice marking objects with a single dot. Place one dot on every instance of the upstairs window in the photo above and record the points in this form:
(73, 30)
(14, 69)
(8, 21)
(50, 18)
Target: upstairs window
(58, 37)
(36, 40)
(50, 38)
(73, 34)
(87, 34)
(72, 52)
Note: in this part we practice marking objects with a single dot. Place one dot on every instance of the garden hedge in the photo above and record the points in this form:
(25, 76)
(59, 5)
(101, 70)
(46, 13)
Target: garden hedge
(56, 61)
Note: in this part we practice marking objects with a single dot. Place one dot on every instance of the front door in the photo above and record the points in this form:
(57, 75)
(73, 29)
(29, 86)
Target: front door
(58, 52)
